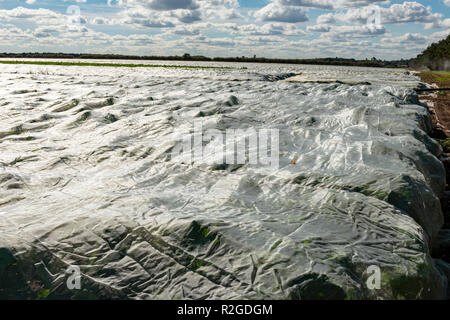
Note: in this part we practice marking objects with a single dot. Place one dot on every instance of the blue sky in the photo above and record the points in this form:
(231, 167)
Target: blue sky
(271, 28)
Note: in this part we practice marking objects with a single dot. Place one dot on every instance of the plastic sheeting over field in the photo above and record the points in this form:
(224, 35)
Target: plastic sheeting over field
(88, 179)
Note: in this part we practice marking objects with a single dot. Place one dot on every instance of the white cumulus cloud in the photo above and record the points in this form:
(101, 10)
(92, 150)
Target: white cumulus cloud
(279, 13)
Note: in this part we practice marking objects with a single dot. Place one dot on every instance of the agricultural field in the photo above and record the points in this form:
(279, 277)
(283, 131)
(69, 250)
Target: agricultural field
(338, 174)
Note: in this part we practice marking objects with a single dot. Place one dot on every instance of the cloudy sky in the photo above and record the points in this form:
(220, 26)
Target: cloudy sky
(270, 28)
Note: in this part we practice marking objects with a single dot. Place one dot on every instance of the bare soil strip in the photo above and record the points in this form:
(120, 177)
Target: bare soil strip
(439, 106)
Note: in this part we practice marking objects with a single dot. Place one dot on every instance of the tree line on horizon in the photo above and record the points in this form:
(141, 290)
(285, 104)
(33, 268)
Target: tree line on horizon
(374, 62)
(435, 57)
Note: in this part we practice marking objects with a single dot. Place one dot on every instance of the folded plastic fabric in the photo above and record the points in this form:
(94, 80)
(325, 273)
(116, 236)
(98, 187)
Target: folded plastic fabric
(88, 179)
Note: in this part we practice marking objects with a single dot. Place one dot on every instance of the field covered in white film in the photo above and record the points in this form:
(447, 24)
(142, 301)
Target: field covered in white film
(243, 181)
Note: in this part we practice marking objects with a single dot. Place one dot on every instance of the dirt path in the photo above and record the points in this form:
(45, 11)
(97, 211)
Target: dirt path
(439, 106)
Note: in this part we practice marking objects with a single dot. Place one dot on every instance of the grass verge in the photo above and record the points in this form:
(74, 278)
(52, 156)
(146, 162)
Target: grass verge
(441, 78)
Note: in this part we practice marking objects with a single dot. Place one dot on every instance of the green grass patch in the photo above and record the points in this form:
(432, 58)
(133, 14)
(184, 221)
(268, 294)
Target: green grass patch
(441, 78)
(443, 73)
(445, 145)
(101, 64)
